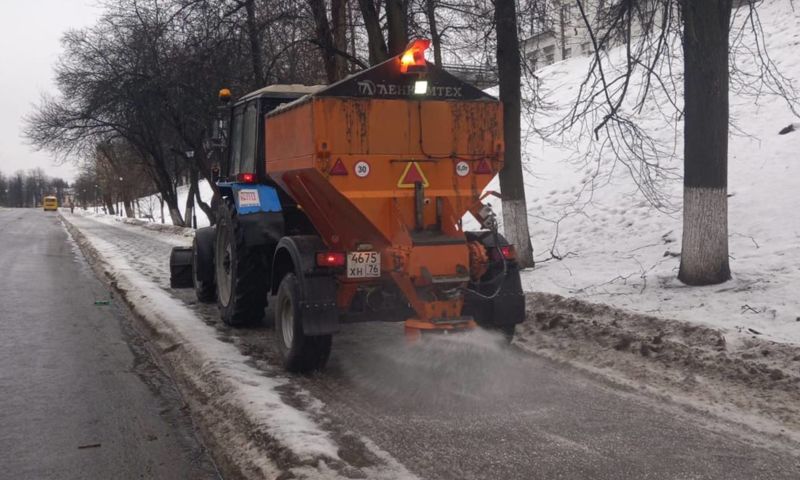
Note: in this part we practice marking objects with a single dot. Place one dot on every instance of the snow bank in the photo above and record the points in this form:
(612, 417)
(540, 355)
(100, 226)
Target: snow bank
(743, 379)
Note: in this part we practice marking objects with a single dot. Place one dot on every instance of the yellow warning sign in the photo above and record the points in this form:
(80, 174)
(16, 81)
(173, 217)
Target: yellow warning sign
(412, 174)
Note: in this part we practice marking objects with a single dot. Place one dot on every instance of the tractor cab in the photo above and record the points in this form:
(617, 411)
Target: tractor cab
(244, 121)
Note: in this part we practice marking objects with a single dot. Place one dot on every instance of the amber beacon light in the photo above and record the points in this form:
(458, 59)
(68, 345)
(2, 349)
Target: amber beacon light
(413, 59)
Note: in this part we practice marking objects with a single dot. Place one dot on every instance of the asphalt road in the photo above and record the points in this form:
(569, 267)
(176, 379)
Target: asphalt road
(467, 407)
(80, 397)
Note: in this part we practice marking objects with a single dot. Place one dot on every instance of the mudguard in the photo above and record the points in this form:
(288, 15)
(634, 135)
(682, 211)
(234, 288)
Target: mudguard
(205, 253)
(508, 306)
(320, 314)
(180, 267)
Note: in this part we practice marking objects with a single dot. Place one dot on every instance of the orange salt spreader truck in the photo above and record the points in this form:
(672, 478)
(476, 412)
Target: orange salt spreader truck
(345, 203)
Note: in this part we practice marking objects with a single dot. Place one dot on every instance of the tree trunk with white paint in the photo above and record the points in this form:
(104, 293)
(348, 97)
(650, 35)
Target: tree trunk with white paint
(515, 209)
(704, 255)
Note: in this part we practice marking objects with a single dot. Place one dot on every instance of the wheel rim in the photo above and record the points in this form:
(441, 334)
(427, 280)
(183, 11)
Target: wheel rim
(224, 264)
(287, 321)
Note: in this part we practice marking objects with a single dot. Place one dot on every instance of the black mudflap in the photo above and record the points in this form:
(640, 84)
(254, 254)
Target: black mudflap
(180, 267)
(320, 313)
(506, 308)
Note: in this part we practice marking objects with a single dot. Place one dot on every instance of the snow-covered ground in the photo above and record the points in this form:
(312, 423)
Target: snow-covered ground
(617, 249)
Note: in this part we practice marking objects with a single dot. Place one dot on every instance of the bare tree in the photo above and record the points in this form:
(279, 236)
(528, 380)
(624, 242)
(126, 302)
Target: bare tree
(612, 95)
(397, 25)
(704, 256)
(332, 40)
(436, 37)
(376, 41)
(515, 208)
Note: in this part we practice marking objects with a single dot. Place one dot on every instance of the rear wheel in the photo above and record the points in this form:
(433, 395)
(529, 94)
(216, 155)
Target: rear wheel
(241, 273)
(301, 353)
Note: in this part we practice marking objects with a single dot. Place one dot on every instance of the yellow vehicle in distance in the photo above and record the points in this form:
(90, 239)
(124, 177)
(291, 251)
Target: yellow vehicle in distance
(50, 203)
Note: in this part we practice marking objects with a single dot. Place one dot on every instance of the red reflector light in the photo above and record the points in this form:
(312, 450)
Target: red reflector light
(507, 251)
(484, 168)
(338, 168)
(413, 59)
(330, 259)
(246, 178)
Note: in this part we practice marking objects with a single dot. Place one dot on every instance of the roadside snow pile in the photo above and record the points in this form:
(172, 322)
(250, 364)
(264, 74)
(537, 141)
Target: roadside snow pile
(618, 250)
(737, 377)
(177, 236)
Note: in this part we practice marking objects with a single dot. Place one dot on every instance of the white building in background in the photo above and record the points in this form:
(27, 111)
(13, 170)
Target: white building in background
(559, 30)
(559, 33)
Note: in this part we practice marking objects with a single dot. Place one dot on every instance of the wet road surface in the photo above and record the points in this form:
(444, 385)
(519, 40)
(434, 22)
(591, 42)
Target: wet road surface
(467, 407)
(80, 397)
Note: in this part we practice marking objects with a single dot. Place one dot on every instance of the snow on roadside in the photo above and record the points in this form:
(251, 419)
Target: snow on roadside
(174, 235)
(232, 391)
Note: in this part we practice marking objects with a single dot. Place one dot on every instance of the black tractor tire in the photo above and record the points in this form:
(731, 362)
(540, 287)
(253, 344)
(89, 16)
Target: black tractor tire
(301, 353)
(206, 290)
(241, 272)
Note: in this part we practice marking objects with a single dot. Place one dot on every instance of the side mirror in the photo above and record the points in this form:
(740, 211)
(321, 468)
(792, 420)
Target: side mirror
(219, 128)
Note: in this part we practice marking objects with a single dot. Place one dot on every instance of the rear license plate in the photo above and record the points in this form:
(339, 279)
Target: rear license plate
(363, 265)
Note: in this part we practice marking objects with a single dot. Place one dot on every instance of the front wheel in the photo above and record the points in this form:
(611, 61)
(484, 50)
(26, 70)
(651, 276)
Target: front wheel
(301, 353)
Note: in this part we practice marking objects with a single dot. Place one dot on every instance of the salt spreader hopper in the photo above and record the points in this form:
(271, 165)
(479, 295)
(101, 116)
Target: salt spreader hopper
(345, 202)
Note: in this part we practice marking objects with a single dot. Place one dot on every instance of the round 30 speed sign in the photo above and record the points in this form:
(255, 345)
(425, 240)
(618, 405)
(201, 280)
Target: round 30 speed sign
(362, 169)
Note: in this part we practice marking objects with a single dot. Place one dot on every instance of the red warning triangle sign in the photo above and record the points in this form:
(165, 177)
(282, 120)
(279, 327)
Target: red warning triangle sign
(484, 167)
(338, 168)
(412, 174)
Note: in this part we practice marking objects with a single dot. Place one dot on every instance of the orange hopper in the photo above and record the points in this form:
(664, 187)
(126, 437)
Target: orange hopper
(379, 168)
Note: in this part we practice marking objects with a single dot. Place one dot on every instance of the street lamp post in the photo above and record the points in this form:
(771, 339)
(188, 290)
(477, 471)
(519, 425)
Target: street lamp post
(120, 197)
(190, 156)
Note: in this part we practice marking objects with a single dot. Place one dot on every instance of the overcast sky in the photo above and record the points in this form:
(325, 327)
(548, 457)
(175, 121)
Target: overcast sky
(30, 33)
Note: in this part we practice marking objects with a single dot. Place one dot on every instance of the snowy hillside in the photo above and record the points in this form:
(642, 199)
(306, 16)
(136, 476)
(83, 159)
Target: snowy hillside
(619, 250)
